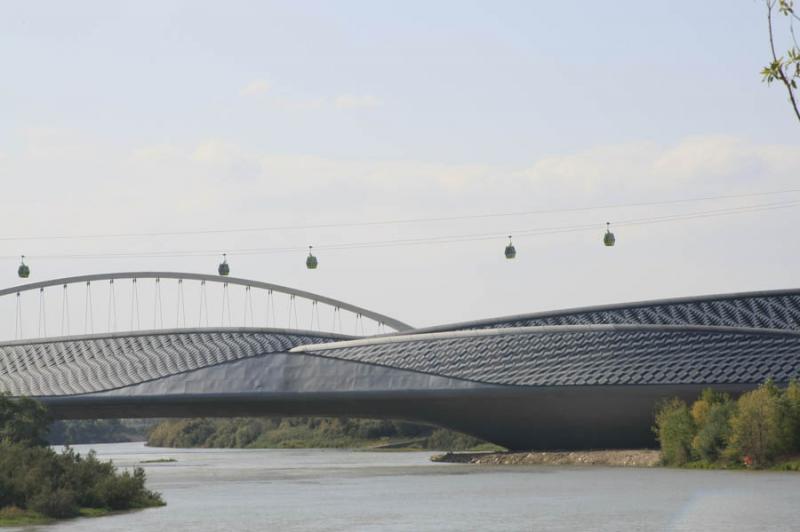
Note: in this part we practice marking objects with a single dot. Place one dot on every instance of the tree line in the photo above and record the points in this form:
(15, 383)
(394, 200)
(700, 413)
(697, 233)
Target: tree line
(759, 429)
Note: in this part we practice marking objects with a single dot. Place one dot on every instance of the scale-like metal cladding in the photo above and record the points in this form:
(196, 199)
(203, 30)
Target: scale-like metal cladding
(592, 357)
(764, 311)
(68, 367)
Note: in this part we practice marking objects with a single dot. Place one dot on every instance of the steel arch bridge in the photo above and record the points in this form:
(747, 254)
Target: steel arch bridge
(578, 378)
(113, 284)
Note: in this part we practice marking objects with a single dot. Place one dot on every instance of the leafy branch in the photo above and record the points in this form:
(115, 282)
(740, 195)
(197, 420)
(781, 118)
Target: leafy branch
(786, 67)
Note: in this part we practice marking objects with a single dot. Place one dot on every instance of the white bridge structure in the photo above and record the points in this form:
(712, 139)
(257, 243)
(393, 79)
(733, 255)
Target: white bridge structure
(134, 301)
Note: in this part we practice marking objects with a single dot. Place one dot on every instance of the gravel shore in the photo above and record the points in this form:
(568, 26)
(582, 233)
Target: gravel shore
(616, 458)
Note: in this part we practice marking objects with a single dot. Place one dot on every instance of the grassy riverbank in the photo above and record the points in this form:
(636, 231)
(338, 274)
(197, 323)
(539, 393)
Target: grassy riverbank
(16, 517)
(308, 432)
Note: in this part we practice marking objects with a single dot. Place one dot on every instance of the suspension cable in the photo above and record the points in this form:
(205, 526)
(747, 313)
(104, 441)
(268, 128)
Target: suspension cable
(88, 316)
(158, 308)
(42, 328)
(181, 305)
(112, 306)
(18, 319)
(65, 311)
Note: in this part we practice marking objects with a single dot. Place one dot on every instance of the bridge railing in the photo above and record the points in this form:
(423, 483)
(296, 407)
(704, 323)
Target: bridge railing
(132, 301)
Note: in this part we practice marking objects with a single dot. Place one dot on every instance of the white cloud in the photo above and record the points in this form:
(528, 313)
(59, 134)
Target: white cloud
(711, 162)
(351, 101)
(256, 88)
(299, 104)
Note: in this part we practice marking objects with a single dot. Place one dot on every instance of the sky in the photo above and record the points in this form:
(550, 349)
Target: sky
(169, 116)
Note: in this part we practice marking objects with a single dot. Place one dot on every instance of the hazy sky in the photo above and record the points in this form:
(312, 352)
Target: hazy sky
(171, 116)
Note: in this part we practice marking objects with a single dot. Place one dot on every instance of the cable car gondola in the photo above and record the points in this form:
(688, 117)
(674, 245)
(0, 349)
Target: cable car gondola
(311, 260)
(223, 268)
(511, 251)
(608, 238)
(23, 271)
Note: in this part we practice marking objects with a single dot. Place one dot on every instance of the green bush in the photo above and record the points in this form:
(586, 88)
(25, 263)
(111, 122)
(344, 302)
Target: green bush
(59, 484)
(59, 503)
(301, 432)
(792, 399)
(675, 431)
(447, 440)
(761, 427)
(711, 415)
(35, 478)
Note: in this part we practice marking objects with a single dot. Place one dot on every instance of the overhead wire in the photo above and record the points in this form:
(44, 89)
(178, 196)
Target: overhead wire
(442, 239)
(89, 236)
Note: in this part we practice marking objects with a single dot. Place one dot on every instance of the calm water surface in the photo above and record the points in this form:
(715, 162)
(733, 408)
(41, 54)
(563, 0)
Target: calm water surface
(327, 490)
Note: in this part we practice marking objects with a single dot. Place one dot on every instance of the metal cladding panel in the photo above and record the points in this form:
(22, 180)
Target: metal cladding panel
(80, 366)
(777, 310)
(589, 356)
(557, 356)
(289, 373)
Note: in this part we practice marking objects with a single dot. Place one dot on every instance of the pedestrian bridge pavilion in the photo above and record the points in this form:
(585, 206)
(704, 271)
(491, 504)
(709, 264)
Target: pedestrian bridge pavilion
(165, 344)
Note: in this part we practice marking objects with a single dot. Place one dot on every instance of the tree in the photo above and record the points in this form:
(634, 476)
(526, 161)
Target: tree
(711, 414)
(23, 420)
(784, 68)
(760, 428)
(675, 431)
(792, 397)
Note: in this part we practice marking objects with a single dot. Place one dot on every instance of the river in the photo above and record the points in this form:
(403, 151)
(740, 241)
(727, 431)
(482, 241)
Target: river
(329, 490)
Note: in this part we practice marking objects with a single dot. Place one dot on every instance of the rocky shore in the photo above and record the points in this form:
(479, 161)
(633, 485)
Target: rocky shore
(615, 458)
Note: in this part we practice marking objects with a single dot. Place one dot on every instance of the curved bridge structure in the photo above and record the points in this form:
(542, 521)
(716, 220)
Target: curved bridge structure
(584, 378)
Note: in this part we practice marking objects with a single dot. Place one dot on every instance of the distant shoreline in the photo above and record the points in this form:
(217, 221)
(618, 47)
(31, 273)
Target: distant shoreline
(611, 458)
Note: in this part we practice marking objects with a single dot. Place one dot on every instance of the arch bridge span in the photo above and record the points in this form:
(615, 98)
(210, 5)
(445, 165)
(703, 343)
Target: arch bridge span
(121, 301)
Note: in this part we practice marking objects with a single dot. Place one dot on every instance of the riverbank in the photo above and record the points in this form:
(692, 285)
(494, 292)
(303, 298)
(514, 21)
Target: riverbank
(613, 458)
(11, 516)
(308, 433)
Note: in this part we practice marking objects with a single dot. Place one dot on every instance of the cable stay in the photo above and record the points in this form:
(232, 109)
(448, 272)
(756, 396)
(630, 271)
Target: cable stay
(64, 311)
(180, 306)
(112, 306)
(88, 316)
(41, 330)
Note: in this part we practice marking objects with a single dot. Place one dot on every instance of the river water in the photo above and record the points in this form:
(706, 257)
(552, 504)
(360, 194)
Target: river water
(329, 490)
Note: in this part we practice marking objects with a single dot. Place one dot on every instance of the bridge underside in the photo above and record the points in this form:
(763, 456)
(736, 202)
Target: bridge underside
(593, 417)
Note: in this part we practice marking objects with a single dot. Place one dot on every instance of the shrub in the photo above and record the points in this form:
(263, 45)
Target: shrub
(714, 431)
(447, 440)
(675, 430)
(59, 503)
(36, 478)
(792, 398)
(124, 491)
(296, 432)
(760, 428)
